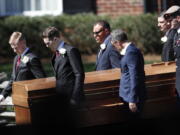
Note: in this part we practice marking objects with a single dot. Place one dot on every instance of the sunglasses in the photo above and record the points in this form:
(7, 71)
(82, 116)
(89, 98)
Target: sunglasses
(96, 33)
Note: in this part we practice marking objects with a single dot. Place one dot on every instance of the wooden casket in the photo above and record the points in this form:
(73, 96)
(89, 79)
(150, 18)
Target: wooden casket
(102, 106)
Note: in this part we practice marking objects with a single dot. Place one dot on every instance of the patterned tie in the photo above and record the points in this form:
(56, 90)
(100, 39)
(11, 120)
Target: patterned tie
(18, 62)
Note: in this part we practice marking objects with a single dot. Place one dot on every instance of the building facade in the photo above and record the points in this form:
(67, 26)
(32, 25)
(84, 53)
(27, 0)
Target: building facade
(30, 7)
(108, 7)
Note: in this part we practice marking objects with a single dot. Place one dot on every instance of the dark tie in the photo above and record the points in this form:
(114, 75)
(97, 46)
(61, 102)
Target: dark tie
(18, 62)
(57, 54)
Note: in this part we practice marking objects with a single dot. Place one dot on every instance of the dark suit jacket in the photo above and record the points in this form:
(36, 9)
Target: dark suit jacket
(168, 51)
(132, 83)
(177, 59)
(69, 74)
(109, 58)
(32, 69)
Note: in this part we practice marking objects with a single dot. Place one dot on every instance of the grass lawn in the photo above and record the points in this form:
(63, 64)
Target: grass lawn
(89, 64)
(7, 67)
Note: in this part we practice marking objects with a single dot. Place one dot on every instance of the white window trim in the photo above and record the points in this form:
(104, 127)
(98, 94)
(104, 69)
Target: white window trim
(44, 11)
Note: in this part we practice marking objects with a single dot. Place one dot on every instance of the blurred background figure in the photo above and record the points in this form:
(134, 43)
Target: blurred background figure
(174, 13)
(165, 26)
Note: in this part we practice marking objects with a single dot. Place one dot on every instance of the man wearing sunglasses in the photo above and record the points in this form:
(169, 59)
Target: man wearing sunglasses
(108, 57)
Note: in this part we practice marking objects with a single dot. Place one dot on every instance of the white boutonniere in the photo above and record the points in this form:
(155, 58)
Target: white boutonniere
(62, 51)
(178, 31)
(164, 39)
(25, 59)
(103, 46)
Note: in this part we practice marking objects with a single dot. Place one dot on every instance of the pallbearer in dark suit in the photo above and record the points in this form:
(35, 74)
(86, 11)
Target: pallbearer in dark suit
(68, 68)
(26, 64)
(169, 31)
(108, 57)
(132, 83)
(174, 12)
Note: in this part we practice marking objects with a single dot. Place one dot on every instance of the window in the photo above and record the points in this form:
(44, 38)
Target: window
(9, 7)
(43, 7)
(31, 7)
(159, 5)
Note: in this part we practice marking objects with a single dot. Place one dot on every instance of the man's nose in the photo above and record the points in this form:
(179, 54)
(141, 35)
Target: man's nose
(95, 35)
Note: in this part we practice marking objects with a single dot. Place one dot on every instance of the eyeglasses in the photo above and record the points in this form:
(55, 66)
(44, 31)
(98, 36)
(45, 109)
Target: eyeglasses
(96, 33)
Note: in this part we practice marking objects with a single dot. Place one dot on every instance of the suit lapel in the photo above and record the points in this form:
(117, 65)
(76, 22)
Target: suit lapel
(57, 62)
(14, 67)
(20, 65)
(99, 56)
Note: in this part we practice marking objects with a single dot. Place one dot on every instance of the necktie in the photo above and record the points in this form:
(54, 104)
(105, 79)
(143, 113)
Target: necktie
(57, 54)
(18, 62)
(99, 53)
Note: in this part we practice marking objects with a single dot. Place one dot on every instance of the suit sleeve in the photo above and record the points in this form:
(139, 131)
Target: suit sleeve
(169, 44)
(77, 66)
(133, 66)
(36, 68)
(8, 90)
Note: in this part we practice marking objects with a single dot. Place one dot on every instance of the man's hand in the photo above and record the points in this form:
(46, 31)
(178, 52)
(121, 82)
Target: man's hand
(2, 98)
(133, 107)
(73, 102)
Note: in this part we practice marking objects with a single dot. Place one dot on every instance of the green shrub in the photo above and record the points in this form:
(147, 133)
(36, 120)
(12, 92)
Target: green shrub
(77, 31)
(142, 30)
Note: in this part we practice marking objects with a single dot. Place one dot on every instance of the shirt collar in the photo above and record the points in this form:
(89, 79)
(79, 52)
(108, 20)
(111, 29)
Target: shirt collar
(61, 45)
(25, 51)
(178, 30)
(123, 51)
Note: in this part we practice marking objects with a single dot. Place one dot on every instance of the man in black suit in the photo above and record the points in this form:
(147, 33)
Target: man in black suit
(26, 64)
(108, 57)
(174, 12)
(169, 31)
(69, 71)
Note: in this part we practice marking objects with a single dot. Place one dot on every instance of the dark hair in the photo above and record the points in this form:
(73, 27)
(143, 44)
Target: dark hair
(51, 32)
(104, 24)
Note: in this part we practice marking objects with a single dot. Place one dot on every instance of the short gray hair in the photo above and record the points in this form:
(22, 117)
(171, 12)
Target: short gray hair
(118, 35)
